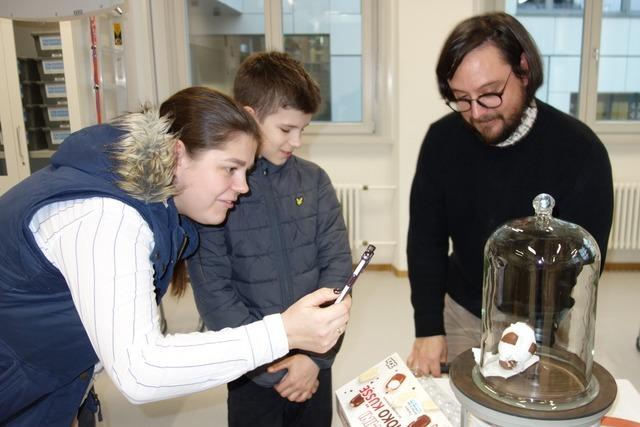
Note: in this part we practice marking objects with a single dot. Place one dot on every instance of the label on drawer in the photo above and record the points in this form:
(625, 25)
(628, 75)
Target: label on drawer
(55, 90)
(57, 136)
(50, 42)
(52, 66)
(58, 114)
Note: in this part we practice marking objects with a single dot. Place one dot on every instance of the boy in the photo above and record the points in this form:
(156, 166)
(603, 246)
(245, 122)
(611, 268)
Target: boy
(285, 239)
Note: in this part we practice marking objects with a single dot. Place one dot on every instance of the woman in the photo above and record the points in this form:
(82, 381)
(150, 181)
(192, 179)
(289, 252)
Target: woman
(91, 243)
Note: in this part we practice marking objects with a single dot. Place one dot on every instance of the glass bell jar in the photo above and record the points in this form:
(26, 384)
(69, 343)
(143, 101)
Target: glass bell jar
(538, 315)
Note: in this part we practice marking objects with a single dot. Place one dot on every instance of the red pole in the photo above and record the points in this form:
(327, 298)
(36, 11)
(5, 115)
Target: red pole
(96, 72)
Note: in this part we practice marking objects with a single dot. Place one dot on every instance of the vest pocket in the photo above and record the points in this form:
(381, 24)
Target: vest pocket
(65, 401)
(17, 388)
(31, 397)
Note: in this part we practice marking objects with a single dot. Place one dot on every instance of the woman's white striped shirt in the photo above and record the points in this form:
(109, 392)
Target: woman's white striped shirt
(102, 247)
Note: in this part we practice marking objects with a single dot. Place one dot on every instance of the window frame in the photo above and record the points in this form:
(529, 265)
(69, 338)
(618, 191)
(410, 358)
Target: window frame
(274, 40)
(174, 15)
(607, 130)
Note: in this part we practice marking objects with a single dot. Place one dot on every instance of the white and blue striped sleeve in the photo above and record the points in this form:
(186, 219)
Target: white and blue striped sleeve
(102, 246)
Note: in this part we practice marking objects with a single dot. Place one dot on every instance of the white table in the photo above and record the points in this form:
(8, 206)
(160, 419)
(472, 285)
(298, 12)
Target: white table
(626, 405)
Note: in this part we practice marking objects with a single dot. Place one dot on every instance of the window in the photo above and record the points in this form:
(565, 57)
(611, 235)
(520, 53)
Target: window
(220, 38)
(619, 62)
(554, 26)
(549, 7)
(595, 77)
(327, 36)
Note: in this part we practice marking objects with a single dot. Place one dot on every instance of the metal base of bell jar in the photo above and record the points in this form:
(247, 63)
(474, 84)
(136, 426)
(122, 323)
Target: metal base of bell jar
(486, 408)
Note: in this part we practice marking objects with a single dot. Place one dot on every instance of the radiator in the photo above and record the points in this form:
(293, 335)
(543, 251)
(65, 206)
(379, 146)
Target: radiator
(349, 198)
(625, 230)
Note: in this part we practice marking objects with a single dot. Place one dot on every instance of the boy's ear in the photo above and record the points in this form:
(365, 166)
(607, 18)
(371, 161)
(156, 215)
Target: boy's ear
(251, 111)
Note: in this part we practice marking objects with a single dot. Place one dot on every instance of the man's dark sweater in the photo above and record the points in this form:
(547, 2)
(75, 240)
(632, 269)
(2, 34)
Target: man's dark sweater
(464, 189)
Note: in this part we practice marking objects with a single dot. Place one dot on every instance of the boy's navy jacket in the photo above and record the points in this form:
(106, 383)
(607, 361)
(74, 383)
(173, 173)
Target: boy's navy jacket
(46, 359)
(283, 240)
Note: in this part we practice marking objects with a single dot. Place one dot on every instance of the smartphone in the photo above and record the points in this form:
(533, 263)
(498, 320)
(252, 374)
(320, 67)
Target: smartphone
(364, 261)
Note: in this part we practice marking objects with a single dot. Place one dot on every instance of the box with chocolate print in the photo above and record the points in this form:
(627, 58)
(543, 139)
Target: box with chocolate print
(387, 395)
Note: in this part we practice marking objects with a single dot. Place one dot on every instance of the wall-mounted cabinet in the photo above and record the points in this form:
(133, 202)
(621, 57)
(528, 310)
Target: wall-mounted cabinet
(51, 89)
(14, 160)
(43, 89)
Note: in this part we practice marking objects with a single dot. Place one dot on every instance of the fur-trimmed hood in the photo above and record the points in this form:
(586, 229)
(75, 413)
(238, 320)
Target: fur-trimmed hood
(137, 151)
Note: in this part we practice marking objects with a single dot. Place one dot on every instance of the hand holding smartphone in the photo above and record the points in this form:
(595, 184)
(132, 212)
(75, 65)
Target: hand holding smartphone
(364, 261)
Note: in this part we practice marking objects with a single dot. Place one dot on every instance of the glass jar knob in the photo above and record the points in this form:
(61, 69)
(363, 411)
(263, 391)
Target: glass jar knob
(543, 204)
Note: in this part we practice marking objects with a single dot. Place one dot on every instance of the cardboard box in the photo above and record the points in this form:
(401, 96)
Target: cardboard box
(387, 395)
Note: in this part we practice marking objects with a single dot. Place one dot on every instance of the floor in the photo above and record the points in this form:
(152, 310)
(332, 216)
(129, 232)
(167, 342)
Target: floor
(381, 324)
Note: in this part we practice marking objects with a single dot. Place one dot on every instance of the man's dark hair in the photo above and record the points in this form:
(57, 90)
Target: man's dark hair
(501, 30)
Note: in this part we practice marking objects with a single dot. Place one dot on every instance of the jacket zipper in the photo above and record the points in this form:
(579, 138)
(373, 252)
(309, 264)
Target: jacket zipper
(284, 271)
(183, 246)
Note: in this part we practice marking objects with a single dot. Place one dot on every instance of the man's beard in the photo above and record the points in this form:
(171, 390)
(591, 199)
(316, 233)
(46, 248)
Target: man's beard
(511, 123)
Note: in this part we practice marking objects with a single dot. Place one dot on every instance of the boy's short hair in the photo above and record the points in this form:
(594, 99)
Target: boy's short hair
(267, 81)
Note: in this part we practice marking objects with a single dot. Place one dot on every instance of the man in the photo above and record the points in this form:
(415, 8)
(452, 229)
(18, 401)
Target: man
(481, 166)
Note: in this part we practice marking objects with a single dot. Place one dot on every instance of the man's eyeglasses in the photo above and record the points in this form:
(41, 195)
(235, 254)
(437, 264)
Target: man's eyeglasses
(487, 100)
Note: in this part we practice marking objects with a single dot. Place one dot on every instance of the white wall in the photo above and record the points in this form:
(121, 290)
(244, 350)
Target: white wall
(422, 29)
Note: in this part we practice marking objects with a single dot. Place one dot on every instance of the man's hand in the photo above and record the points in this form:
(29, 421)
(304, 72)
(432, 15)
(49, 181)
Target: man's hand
(301, 381)
(316, 329)
(427, 354)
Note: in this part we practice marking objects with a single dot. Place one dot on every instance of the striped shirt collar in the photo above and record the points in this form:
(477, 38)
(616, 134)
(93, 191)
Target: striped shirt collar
(528, 119)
